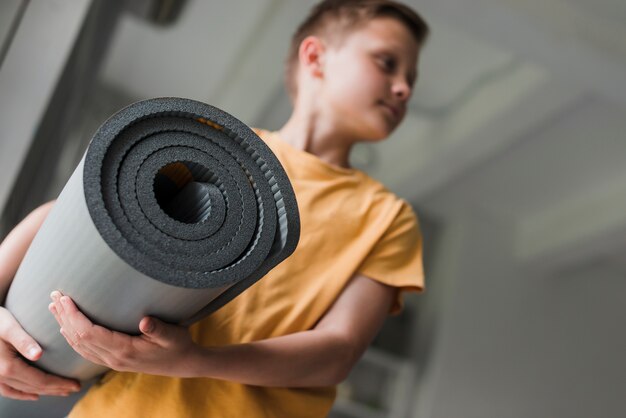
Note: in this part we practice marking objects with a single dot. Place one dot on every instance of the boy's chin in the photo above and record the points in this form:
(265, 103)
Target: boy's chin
(374, 137)
(369, 130)
(380, 133)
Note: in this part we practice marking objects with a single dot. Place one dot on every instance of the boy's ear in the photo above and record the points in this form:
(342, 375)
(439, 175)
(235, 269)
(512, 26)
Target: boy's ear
(311, 56)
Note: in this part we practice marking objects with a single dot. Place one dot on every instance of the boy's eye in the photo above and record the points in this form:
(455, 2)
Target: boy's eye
(387, 63)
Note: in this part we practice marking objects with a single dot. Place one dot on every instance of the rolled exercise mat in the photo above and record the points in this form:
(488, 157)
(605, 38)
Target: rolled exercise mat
(175, 208)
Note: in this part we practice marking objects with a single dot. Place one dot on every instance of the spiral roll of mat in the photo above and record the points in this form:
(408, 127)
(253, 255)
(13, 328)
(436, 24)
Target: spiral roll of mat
(176, 208)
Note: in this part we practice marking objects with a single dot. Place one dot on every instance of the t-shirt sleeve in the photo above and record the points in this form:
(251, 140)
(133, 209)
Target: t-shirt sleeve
(396, 259)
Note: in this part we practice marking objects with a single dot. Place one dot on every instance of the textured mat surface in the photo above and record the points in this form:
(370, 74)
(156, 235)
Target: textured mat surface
(176, 208)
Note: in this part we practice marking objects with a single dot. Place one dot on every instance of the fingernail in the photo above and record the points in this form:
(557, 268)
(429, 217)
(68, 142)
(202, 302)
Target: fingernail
(64, 300)
(54, 295)
(149, 326)
(33, 350)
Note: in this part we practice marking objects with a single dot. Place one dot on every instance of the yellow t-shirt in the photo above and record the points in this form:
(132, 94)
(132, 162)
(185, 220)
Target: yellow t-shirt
(349, 224)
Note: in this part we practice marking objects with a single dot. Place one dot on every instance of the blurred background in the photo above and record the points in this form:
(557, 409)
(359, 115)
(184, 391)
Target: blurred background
(513, 154)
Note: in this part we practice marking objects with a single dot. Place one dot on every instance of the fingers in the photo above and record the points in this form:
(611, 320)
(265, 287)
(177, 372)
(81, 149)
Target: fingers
(37, 390)
(116, 350)
(153, 328)
(8, 392)
(69, 317)
(88, 352)
(147, 326)
(15, 373)
(12, 332)
(76, 328)
(40, 380)
(161, 332)
(20, 390)
(93, 342)
(17, 379)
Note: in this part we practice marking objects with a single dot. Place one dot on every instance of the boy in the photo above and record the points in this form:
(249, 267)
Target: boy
(278, 349)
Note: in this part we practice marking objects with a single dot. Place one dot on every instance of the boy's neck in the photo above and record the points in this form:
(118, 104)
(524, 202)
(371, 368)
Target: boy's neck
(308, 133)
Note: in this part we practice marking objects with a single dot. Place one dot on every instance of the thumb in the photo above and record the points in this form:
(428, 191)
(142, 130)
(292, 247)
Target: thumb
(158, 330)
(13, 333)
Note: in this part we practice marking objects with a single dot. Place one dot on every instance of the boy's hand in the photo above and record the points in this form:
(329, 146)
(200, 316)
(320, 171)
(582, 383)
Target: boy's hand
(162, 349)
(18, 380)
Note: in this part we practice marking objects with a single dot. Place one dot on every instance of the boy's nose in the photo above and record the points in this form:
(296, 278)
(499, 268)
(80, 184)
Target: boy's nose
(401, 90)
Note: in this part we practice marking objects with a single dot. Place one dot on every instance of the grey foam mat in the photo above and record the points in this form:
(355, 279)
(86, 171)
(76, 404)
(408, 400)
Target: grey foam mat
(176, 208)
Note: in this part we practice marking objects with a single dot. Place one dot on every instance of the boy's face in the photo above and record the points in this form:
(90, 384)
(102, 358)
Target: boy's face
(368, 78)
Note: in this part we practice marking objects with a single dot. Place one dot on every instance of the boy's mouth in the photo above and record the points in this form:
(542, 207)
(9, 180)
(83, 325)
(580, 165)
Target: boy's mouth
(395, 111)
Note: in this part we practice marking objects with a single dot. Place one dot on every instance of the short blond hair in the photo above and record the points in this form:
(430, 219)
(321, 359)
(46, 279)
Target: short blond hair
(332, 18)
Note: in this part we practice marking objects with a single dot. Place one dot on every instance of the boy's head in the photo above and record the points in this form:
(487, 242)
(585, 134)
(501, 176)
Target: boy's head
(355, 61)
(332, 20)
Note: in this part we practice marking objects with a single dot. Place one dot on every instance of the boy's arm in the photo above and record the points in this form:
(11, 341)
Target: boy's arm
(17, 379)
(322, 356)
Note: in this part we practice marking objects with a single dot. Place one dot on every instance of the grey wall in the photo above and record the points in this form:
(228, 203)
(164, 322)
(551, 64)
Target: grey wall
(513, 342)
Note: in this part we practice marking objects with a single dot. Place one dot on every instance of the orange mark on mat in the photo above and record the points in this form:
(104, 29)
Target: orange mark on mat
(210, 123)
